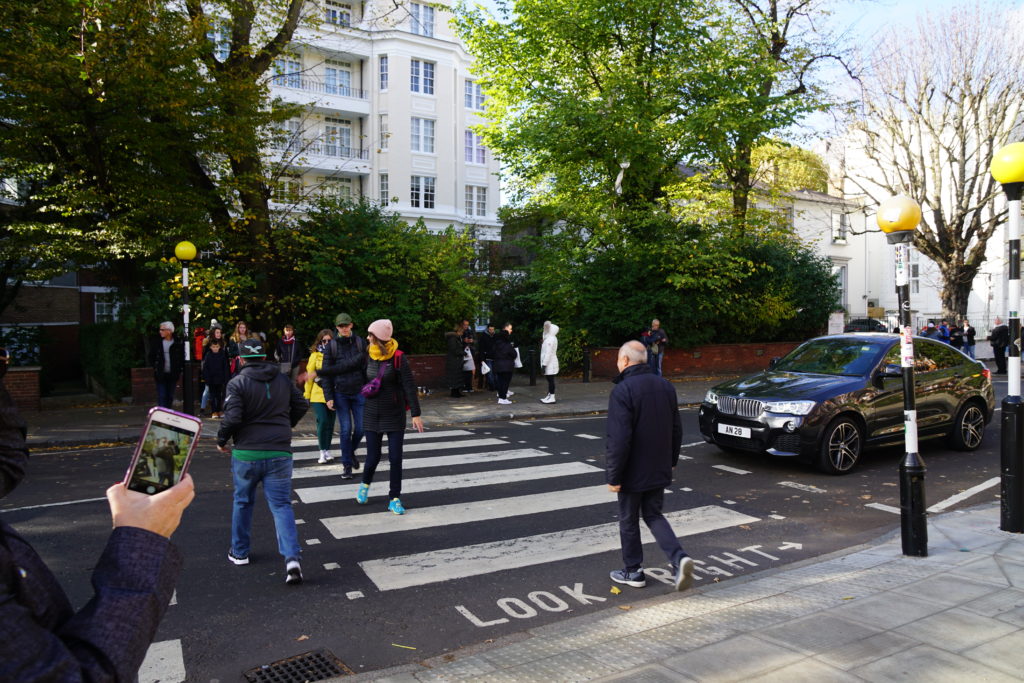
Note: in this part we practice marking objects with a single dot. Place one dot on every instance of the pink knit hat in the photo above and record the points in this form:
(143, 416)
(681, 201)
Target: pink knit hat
(381, 329)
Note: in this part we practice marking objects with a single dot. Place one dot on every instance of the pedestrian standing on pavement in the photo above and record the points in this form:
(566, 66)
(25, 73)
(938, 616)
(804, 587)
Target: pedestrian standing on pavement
(969, 337)
(240, 335)
(288, 352)
(391, 392)
(655, 339)
(944, 331)
(999, 337)
(549, 358)
(344, 374)
(469, 346)
(261, 409)
(216, 374)
(956, 337)
(314, 393)
(167, 358)
(216, 332)
(484, 344)
(644, 436)
(503, 363)
(42, 638)
(455, 352)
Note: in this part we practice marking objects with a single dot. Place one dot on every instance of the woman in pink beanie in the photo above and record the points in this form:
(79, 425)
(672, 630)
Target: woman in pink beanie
(385, 410)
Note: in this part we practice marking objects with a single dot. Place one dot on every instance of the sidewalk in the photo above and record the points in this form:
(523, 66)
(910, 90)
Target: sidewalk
(98, 423)
(864, 614)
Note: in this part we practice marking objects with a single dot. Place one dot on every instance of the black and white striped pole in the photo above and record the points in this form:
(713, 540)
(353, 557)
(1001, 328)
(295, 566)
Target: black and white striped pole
(1008, 169)
(185, 252)
(898, 217)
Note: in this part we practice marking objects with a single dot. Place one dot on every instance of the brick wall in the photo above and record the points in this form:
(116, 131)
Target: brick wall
(35, 305)
(712, 359)
(23, 385)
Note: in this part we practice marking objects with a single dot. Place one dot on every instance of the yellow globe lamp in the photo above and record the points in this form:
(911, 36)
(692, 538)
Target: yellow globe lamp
(185, 251)
(898, 217)
(1008, 164)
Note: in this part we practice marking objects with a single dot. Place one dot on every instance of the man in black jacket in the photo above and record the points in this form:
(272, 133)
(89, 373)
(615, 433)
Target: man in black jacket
(261, 408)
(644, 436)
(167, 358)
(343, 375)
(1000, 338)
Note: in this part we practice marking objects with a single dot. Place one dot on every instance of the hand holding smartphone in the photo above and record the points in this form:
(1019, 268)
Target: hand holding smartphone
(163, 452)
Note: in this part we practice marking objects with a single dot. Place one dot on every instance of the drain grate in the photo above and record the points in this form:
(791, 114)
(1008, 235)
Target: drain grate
(317, 665)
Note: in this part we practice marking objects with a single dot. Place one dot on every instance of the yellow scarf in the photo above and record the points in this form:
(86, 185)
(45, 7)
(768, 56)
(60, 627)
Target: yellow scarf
(390, 346)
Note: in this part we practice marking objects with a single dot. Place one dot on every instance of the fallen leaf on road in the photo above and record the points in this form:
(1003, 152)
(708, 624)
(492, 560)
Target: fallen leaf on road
(745, 527)
(301, 638)
(849, 598)
(625, 607)
(866, 496)
(615, 590)
(404, 647)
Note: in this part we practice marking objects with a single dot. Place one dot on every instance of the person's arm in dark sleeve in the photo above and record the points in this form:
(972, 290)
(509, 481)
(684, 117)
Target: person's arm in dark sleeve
(619, 435)
(298, 405)
(231, 417)
(677, 428)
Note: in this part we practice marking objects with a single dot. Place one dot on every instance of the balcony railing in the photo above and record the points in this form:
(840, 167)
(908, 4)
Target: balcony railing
(322, 148)
(318, 85)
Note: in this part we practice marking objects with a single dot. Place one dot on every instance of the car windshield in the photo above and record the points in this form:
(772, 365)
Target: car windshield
(840, 356)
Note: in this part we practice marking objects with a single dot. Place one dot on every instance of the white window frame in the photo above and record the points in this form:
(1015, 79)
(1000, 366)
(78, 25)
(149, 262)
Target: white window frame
(288, 189)
(422, 23)
(384, 193)
(385, 134)
(476, 200)
(473, 95)
(340, 187)
(337, 13)
(288, 71)
(421, 135)
(840, 227)
(338, 77)
(914, 268)
(106, 309)
(220, 36)
(422, 191)
(421, 76)
(382, 72)
(475, 152)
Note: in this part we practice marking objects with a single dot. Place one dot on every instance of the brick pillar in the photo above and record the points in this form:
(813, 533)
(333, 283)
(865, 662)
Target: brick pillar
(23, 385)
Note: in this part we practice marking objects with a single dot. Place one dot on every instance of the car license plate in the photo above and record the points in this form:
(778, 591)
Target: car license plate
(733, 430)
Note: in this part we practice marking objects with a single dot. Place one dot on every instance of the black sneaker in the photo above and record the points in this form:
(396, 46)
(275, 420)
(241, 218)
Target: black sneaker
(346, 473)
(635, 579)
(355, 461)
(237, 560)
(293, 573)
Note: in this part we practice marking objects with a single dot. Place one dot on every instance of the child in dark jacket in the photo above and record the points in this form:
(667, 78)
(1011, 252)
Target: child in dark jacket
(216, 373)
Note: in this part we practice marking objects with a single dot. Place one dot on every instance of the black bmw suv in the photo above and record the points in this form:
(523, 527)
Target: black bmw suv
(832, 397)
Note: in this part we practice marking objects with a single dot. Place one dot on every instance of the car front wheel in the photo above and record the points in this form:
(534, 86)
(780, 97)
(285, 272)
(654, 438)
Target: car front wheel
(969, 427)
(841, 446)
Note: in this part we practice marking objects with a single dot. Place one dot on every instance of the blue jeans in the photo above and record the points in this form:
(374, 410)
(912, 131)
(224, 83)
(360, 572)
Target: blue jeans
(276, 475)
(373, 444)
(165, 391)
(634, 505)
(654, 360)
(969, 350)
(349, 408)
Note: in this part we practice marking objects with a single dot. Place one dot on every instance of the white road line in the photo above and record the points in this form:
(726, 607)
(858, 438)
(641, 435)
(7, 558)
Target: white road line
(521, 424)
(431, 461)
(351, 526)
(50, 505)
(412, 447)
(963, 495)
(420, 569)
(588, 436)
(320, 494)
(802, 487)
(883, 507)
(695, 443)
(734, 470)
(552, 429)
(443, 434)
(164, 663)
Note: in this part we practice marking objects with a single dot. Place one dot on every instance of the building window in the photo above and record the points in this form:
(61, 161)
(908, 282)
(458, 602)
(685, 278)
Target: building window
(422, 135)
(338, 78)
(840, 271)
(476, 200)
(385, 132)
(421, 77)
(290, 140)
(382, 69)
(474, 95)
(915, 271)
(287, 189)
(337, 13)
(475, 152)
(385, 193)
(422, 19)
(106, 308)
(421, 195)
(339, 188)
(220, 36)
(840, 227)
(337, 137)
(288, 71)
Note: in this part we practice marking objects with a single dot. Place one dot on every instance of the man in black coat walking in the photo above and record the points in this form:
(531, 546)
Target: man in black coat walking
(644, 436)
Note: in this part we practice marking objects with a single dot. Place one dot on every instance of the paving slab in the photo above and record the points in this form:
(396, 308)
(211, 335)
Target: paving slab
(736, 659)
(926, 663)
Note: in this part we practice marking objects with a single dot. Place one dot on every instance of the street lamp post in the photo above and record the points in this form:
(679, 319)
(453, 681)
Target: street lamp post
(1008, 169)
(186, 251)
(898, 217)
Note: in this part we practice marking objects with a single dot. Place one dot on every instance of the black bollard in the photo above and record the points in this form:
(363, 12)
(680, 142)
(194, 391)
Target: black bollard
(531, 358)
(1011, 500)
(912, 506)
(586, 364)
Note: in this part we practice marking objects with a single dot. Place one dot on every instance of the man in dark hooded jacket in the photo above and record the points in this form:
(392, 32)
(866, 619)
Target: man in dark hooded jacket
(41, 637)
(644, 436)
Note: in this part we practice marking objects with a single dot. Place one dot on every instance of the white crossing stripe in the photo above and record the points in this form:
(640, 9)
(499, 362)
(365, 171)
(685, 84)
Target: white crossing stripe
(552, 429)
(164, 663)
(351, 526)
(443, 434)
(320, 494)
(695, 443)
(734, 470)
(802, 487)
(963, 495)
(588, 436)
(392, 573)
(412, 447)
(521, 424)
(883, 507)
(432, 461)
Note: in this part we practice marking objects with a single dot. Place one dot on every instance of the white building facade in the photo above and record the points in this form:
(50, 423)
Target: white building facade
(389, 100)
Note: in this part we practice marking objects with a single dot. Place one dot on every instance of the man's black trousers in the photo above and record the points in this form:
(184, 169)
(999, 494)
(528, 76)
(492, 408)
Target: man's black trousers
(646, 505)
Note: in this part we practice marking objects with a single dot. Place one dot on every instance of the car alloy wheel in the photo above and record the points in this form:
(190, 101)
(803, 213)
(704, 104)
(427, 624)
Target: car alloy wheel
(969, 427)
(841, 446)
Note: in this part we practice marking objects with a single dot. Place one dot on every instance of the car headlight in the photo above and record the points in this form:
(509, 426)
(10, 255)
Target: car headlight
(711, 397)
(789, 407)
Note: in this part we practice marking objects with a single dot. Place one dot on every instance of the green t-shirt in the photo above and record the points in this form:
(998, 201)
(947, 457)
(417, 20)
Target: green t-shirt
(249, 456)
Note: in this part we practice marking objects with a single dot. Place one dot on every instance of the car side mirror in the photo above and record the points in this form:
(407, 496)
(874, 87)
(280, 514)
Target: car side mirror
(891, 370)
(773, 362)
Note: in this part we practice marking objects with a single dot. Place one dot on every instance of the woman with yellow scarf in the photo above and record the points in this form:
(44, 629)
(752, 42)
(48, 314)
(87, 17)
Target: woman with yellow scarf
(390, 391)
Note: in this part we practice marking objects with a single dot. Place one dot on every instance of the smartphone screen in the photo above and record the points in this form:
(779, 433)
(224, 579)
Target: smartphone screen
(164, 451)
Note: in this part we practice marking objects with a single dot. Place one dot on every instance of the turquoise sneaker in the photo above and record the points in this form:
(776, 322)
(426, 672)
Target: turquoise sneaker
(362, 493)
(396, 506)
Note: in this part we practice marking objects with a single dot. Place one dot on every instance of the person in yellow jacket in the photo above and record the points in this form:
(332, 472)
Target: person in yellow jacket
(315, 395)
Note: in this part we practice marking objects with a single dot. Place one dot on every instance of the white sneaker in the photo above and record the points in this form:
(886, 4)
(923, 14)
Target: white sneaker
(323, 460)
(510, 393)
(550, 398)
(504, 402)
(293, 573)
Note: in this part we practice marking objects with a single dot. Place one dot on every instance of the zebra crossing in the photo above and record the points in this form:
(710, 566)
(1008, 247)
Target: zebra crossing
(475, 464)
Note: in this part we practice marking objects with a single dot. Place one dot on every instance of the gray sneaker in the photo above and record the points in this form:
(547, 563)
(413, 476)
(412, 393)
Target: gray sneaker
(684, 574)
(635, 579)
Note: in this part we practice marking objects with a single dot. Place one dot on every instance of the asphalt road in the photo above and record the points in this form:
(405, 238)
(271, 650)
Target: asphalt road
(508, 527)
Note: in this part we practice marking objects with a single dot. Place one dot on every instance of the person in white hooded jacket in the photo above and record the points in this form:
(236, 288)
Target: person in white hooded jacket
(549, 358)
